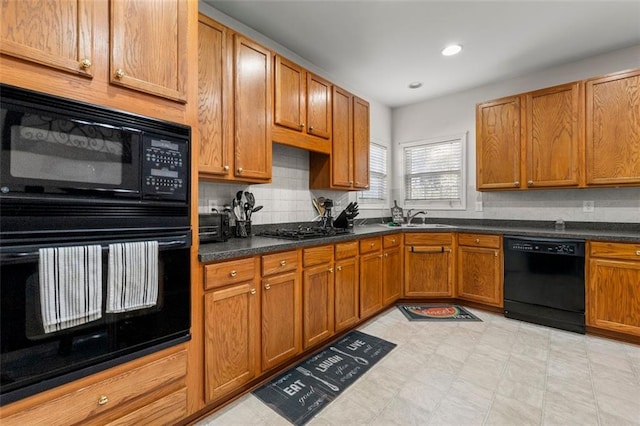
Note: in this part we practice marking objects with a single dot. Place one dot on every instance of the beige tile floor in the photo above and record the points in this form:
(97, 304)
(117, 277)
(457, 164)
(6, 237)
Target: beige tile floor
(495, 372)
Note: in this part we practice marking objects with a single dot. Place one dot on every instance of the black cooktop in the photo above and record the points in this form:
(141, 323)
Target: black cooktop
(303, 233)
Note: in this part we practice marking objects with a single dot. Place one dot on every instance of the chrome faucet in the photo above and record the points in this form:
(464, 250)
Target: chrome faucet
(411, 216)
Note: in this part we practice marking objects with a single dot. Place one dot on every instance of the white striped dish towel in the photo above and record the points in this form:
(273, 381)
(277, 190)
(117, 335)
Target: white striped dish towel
(70, 286)
(133, 276)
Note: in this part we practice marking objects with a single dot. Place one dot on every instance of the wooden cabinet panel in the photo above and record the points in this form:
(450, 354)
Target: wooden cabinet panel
(318, 301)
(149, 47)
(342, 143)
(231, 338)
(290, 94)
(318, 106)
(389, 241)
(613, 295)
(346, 250)
(231, 272)
(621, 251)
(361, 143)
(252, 111)
(279, 262)
(281, 318)
(554, 136)
(428, 271)
(391, 275)
(480, 240)
(213, 97)
(613, 129)
(480, 275)
(498, 146)
(368, 245)
(428, 239)
(168, 410)
(317, 255)
(55, 34)
(370, 283)
(346, 293)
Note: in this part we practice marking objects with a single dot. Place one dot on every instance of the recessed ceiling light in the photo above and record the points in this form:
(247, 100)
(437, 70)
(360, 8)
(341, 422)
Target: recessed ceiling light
(415, 85)
(452, 49)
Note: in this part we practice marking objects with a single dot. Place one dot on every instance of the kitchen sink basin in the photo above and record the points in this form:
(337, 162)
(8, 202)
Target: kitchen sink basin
(417, 225)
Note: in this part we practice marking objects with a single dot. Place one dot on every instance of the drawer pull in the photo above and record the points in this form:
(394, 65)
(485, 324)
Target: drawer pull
(330, 270)
(477, 240)
(495, 253)
(386, 255)
(638, 253)
(226, 168)
(233, 273)
(119, 73)
(240, 170)
(339, 268)
(393, 241)
(85, 63)
(253, 291)
(267, 286)
(372, 245)
(283, 263)
(103, 400)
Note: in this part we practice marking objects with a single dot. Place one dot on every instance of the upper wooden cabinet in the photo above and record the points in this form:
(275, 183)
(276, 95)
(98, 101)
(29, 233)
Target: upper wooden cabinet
(149, 46)
(302, 107)
(613, 129)
(498, 136)
(553, 136)
(348, 165)
(60, 35)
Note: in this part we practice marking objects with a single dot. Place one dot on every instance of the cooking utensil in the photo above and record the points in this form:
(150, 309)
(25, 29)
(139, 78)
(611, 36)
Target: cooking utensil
(357, 359)
(308, 373)
(256, 208)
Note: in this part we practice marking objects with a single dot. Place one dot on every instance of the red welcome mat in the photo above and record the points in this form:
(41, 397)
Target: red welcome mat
(436, 312)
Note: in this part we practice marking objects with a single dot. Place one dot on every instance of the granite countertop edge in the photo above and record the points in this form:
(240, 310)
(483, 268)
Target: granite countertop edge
(244, 247)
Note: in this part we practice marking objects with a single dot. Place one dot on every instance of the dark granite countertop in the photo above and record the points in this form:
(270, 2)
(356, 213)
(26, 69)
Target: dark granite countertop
(242, 247)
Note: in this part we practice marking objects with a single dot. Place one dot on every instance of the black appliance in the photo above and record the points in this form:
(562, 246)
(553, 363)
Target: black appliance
(213, 227)
(303, 233)
(544, 281)
(75, 174)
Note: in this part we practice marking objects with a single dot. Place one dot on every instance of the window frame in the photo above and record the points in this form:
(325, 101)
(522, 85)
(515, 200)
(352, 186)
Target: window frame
(458, 204)
(367, 203)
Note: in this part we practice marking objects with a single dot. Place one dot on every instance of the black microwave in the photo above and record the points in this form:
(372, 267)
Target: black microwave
(64, 160)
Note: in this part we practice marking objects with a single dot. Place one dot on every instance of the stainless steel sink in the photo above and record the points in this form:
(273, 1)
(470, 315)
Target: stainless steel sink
(417, 225)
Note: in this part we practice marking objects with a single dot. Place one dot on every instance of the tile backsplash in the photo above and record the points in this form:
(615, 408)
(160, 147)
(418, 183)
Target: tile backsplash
(286, 199)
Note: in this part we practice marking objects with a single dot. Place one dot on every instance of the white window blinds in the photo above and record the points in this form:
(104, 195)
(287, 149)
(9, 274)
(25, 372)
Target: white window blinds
(377, 192)
(434, 173)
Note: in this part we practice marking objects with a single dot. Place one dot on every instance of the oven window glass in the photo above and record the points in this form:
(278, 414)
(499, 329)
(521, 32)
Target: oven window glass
(51, 149)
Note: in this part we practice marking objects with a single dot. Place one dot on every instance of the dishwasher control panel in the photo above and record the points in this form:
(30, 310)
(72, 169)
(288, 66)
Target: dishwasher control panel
(559, 247)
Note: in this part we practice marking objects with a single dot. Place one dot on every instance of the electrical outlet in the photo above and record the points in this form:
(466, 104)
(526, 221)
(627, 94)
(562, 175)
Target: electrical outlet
(213, 204)
(588, 206)
(478, 206)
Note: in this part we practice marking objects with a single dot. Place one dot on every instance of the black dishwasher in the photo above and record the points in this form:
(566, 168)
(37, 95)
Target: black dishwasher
(544, 281)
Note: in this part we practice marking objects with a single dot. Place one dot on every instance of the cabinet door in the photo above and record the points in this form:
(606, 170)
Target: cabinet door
(370, 284)
(498, 144)
(342, 141)
(280, 319)
(360, 143)
(391, 275)
(346, 293)
(480, 275)
(554, 123)
(428, 271)
(290, 89)
(318, 106)
(149, 46)
(613, 295)
(213, 97)
(231, 345)
(613, 129)
(55, 34)
(252, 91)
(317, 310)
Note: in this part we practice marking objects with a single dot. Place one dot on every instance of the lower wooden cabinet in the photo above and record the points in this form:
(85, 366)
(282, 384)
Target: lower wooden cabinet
(480, 268)
(147, 391)
(370, 276)
(428, 265)
(317, 295)
(231, 338)
(346, 285)
(613, 287)
(391, 269)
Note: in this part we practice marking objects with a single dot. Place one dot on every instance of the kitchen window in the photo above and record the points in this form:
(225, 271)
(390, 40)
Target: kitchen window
(434, 173)
(376, 195)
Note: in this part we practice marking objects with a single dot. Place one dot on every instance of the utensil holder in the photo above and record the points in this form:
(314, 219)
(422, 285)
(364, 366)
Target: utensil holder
(243, 228)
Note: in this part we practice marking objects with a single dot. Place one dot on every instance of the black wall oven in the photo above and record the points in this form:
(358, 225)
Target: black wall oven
(95, 239)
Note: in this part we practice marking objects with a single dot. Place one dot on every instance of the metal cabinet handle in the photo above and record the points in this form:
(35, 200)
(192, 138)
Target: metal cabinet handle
(233, 273)
(516, 183)
(638, 253)
(253, 291)
(529, 182)
(331, 270)
(302, 125)
(119, 73)
(267, 286)
(477, 240)
(380, 256)
(225, 168)
(283, 263)
(103, 400)
(339, 268)
(386, 255)
(239, 169)
(85, 63)
(495, 254)
(311, 129)
(372, 245)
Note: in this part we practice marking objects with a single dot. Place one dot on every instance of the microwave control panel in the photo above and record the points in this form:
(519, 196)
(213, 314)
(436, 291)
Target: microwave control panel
(165, 168)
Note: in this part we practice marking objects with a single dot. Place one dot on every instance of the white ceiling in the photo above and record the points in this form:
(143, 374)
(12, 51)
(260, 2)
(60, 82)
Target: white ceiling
(378, 47)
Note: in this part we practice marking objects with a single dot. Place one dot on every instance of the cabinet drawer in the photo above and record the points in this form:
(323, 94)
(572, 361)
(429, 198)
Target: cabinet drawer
(279, 262)
(479, 240)
(369, 245)
(225, 273)
(615, 250)
(346, 250)
(108, 394)
(165, 411)
(317, 255)
(427, 239)
(389, 241)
